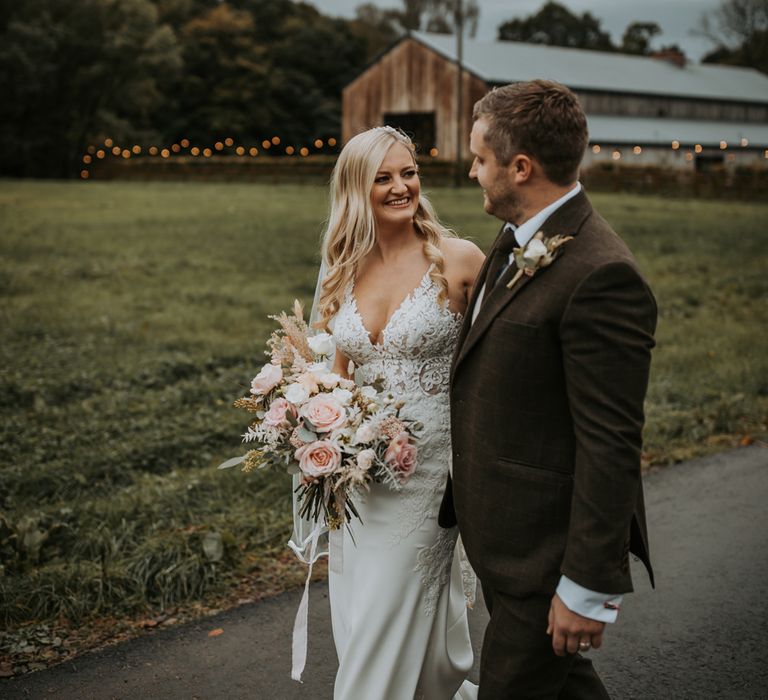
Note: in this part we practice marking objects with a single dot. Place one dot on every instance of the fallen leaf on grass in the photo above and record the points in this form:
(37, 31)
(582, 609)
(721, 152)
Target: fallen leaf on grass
(216, 632)
(746, 441)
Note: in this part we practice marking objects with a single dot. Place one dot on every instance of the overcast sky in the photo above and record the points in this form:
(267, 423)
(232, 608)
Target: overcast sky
(675, 17)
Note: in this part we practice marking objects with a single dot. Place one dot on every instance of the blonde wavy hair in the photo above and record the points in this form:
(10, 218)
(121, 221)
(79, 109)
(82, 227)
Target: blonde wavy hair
(351, 231)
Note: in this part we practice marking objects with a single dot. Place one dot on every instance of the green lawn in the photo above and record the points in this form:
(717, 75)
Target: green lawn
(134, 314)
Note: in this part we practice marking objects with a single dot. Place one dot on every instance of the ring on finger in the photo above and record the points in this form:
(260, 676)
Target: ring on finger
(585, 645)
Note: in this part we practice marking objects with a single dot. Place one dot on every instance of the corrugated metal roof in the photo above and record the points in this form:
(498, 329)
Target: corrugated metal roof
(511, 61)
(637, 130)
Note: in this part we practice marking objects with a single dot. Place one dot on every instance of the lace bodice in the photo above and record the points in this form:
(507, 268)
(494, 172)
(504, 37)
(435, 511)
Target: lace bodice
(414, 356)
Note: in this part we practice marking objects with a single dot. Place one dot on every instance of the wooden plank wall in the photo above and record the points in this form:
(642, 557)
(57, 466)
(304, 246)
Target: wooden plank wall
(412, 78)
(671, 107)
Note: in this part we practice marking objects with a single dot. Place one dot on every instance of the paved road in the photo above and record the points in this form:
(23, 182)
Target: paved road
(701, 634)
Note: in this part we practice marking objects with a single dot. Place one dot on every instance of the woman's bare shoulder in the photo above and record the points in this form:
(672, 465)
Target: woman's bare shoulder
(463, 253)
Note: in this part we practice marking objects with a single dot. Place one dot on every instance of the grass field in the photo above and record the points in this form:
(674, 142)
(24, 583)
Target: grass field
(132, 315)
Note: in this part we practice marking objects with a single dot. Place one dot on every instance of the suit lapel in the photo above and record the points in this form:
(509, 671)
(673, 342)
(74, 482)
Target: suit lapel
(466, 325)
(566, 221)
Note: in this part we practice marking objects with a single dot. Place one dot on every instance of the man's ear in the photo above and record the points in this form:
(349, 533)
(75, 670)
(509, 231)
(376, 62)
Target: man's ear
(521, 168)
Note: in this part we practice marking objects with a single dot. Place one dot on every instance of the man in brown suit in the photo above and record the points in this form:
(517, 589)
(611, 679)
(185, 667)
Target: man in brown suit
(547, 390)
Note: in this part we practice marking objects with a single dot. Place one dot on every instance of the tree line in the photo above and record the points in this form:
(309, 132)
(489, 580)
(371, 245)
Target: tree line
(158, 71)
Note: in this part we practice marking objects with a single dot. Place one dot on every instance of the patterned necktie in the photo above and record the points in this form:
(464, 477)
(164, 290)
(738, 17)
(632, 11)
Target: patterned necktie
(500, 258)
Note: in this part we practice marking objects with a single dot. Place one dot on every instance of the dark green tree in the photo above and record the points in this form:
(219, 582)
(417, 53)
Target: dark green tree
(376, 28)
(556, 25)
(638, 36)
(313, 58)
(72, 72)
(224, 87)
(432, 16)
(739, 30)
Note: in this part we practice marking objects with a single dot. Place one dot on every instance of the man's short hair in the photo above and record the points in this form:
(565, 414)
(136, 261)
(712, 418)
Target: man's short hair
(540, 118)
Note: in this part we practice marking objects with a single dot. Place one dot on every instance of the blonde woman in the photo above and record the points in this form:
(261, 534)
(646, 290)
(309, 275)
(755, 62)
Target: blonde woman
(396, 288)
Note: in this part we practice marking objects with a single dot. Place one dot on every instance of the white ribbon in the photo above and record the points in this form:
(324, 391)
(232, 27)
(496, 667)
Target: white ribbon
(299, 652)
(336, 549)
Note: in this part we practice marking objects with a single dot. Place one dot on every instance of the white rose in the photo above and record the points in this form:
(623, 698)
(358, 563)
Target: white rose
(342, 395)
(267, 379)
(297, 394)
(329, 380)
(365, 459)
(369, 392)
(322, 344)
(534, 250)
(347, 384)
(365, 433)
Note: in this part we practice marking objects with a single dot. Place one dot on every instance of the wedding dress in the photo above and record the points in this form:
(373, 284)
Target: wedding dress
(398, 604)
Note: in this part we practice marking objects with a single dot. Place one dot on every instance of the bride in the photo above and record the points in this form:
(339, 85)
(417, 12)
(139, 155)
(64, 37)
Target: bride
(396, 285)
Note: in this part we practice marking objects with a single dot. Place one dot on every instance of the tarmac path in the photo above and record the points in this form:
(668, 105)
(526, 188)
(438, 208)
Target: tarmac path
(698, 635)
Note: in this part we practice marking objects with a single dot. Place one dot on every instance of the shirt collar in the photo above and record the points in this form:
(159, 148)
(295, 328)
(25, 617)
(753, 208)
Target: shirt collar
(525, 231)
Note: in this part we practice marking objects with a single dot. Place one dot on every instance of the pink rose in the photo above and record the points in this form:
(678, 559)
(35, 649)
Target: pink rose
(318, 458)
(325, 412)
(267, 379)
(278, 409)
(401, 456)
(308, 381)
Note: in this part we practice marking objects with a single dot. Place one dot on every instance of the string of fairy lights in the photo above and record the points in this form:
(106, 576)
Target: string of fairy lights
(184, 147)
(272, 146)
(676, 146)
(227, 146)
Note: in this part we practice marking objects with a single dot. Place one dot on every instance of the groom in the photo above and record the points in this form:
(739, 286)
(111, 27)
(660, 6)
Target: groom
(547, 390)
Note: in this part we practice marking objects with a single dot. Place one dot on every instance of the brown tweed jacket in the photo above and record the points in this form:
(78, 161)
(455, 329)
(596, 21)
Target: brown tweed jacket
(547, 391)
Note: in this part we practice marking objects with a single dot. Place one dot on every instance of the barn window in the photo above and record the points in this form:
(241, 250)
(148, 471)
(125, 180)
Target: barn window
(420, 126)
(707, 163)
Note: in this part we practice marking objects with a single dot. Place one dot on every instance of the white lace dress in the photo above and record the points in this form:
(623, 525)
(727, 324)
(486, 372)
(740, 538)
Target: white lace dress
(398, 606)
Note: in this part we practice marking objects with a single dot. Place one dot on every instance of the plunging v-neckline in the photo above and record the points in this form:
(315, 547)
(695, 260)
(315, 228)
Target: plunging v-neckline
(359, 315)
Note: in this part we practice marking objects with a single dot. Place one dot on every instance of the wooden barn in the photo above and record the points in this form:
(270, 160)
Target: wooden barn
(644, 110)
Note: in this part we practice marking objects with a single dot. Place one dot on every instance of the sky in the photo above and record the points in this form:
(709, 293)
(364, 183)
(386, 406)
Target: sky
(675, 17)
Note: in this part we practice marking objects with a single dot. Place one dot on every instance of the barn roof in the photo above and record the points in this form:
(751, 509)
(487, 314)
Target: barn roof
(512, 61)
(632, 131)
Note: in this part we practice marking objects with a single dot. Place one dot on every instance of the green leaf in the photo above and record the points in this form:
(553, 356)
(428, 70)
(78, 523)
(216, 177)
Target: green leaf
(231, 462)
(306, 435)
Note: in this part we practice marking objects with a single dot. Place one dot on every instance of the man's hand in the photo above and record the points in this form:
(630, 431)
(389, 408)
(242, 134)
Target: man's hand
(569, 629)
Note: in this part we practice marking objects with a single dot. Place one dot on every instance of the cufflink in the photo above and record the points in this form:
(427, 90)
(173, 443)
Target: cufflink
(611, 606)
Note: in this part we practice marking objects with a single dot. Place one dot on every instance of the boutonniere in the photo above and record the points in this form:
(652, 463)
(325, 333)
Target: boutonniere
(539, 252)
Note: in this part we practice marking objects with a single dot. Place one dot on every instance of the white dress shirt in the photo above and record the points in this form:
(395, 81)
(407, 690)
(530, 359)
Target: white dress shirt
(591, 604)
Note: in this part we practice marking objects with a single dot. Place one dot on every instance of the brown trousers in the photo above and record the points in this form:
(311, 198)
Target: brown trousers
(518, 662)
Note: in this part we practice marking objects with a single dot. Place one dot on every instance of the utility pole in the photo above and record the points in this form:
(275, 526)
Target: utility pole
(459, 25)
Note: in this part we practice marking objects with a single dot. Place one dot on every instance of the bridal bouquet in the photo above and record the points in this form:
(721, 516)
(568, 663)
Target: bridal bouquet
(336, 435)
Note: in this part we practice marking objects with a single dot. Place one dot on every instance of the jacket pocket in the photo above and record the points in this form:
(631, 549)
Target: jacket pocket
(535, 472)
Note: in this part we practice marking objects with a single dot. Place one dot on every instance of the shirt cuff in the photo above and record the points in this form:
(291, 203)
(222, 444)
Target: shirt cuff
(602, 607)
